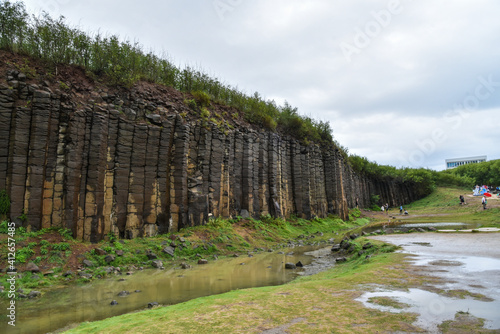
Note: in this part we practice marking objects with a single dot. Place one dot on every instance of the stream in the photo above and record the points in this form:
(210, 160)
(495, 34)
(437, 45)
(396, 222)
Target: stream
(62, 307)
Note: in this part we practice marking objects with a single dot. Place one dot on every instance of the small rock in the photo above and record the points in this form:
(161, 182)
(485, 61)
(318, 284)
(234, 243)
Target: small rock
(299, 264)
(335, 248)
(34, 294)
(109, 258)
(137, 291)
(114, 302)
(119, 252)
(235, 255)
(152, 304)
(32, 268)
(99, 251)
(340, 259)
(184, 265)
(88, 263)
(169, 250)
(157, 264)
(84, 275)
(152, 256)
(244, 214)
(68, 273)
(289, 265)
(202, 261)
(367, 245)
(123, 293)
(47, 273)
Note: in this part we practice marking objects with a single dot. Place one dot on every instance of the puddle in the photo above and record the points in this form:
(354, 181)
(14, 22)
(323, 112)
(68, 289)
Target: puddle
(433, 309)
(464, 262)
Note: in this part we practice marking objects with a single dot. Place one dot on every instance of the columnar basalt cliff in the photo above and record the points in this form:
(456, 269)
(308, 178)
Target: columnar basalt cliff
(130, 162)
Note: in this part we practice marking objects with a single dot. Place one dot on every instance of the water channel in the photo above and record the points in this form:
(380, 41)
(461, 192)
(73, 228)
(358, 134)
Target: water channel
(61, 307)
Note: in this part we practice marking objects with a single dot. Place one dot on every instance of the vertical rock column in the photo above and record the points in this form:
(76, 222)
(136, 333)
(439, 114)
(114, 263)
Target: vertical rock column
(122, 171)
(52, 187)
(178, 177)
(96, 172)
(37, 158)
(151, 185)
(135, 204)
(6, 113)
(108, 207)
(164, 165)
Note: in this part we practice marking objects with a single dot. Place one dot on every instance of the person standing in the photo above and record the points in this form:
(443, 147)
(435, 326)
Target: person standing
(484, 202)
(387, 208)
(400, 209)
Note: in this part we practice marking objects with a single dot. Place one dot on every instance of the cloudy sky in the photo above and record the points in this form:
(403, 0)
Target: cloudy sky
(403, 83)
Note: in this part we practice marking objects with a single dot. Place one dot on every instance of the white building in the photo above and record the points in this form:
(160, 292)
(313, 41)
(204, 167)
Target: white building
(452, 163)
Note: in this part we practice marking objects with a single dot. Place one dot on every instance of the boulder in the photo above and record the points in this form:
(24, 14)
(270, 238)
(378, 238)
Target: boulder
(169, 250)
(32, 268)
(109, 258)
(299, 264)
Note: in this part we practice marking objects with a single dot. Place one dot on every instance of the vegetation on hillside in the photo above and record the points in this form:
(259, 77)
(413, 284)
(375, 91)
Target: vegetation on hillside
(466, 176)
(124, 63)
(477, 174)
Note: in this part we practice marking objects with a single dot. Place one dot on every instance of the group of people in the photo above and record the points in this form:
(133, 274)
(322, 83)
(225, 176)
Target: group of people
(484, 201)
(385, 208)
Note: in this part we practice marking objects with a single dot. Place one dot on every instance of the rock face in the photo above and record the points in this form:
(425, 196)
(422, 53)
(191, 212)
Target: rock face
(130, 164)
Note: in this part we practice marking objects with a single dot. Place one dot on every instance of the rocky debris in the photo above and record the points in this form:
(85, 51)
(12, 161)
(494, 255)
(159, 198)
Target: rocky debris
(169, 250)
(109, 258)
(31, 267)
(34, 294)
(100, 252)
(88, 263)
(157, 264)
(84, 275)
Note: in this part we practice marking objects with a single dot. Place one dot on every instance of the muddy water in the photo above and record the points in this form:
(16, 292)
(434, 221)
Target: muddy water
(62, 307)
(464, 261)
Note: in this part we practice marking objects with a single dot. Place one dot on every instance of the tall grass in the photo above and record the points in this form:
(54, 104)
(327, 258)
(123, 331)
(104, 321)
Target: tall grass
(124, 63)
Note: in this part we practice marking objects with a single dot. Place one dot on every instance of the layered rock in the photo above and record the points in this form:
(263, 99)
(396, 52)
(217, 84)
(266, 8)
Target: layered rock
(133, 166)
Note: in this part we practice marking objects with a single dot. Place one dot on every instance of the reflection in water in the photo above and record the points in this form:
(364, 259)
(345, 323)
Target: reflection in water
(433, 309)
(62, 307)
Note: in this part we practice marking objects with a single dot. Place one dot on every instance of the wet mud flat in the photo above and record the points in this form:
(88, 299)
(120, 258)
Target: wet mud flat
(468, 268)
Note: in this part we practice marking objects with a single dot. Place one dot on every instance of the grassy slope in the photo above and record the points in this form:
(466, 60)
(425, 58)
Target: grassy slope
(319, 303)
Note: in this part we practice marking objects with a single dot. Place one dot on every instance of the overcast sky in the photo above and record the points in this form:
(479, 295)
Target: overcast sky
(403, 83)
